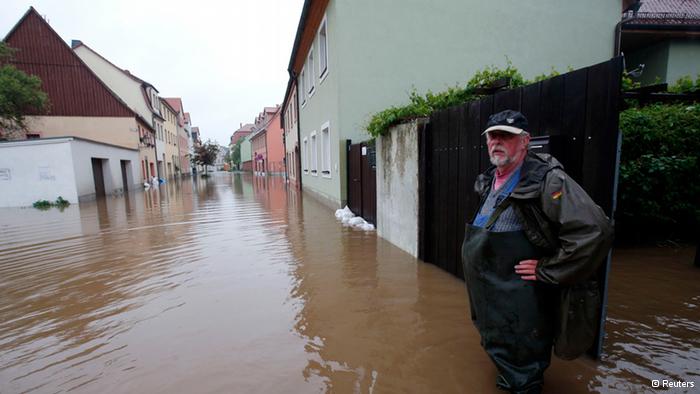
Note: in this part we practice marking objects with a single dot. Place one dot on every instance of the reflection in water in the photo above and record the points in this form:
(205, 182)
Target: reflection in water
(237, 284)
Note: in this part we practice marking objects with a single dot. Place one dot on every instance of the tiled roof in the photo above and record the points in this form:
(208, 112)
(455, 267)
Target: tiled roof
(671, 6)
(72, 87)
(665, 12)
(175, 102)
(246, 127)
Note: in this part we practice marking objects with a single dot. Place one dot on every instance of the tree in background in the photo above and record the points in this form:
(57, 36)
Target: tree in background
(236, 154)
(20, 94)
(205, 154)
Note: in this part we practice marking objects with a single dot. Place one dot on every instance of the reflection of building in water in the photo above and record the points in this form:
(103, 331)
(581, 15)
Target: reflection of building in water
(104, 260)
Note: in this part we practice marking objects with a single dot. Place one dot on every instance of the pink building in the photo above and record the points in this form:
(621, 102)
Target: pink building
(242, 132)
(266, 143)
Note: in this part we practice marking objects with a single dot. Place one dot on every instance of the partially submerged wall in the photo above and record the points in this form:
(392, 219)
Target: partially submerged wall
(44, 169)
(35, 170)
(397, 186)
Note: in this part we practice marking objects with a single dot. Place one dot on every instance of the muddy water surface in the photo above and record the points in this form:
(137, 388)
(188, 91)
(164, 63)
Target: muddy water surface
(234, 284)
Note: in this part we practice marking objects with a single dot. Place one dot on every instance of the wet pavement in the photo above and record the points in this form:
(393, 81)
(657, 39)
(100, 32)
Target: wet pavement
(235, 284)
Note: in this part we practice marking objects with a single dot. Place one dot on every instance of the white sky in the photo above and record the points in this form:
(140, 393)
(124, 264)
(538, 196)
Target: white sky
(226, 59)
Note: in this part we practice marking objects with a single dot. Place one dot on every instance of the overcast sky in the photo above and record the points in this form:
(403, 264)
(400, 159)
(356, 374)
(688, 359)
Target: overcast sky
(226, 59)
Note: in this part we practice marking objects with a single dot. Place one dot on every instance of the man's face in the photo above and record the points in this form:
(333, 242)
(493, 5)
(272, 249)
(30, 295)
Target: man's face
(505, 148)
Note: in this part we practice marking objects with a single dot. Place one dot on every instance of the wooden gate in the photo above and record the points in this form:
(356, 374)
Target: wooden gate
(362, 181)
(574, 116)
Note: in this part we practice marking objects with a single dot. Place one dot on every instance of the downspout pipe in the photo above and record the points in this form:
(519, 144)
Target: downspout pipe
(293, 75)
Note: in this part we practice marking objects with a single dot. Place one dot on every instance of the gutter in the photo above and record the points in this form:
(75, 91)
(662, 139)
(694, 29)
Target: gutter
(661, 26)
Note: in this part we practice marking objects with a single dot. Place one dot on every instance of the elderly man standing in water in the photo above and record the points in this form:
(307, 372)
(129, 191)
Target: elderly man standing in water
(530, 256)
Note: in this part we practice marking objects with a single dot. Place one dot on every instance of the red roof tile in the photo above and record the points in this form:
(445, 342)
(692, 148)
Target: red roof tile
(73, 89)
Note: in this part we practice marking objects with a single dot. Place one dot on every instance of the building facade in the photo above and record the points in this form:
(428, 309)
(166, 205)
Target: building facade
(344, 74)
(133, 91)
(82, 107)
(182, 136)
(663, 36)
(291, 136)
(246, 154)
(171, 153)
(266, 143)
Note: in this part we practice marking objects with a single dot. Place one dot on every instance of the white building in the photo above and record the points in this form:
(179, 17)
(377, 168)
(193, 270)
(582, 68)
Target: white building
(69, 167)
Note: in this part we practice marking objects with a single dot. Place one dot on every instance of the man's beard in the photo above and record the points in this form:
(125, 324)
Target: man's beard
(502, 160)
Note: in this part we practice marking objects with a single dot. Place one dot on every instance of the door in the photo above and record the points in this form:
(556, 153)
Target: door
(98, 177)
(369, 183)
(125, 182)
(355, 179)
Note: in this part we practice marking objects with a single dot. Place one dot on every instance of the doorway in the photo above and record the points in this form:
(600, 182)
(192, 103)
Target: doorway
(98, 177)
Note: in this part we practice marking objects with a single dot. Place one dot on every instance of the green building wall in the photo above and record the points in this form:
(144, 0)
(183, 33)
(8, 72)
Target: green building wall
(683, 59)
(246, 150)
(379, 51)
(667, 61)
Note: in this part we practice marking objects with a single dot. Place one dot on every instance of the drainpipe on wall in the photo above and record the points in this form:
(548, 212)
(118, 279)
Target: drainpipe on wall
(293, 75)
(155, 150)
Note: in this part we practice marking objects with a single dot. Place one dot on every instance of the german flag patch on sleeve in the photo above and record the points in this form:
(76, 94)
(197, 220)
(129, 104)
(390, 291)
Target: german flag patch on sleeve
(556, 195)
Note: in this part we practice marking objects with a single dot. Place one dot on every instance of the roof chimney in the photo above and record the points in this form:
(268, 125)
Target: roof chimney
(75, 43)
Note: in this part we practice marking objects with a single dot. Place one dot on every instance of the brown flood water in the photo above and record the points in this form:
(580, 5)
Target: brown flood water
(234, 284)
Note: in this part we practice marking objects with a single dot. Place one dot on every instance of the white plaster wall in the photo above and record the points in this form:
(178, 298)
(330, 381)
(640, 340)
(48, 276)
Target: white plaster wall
(84, 151)
(120, 131)
(397, 186)
(128, 89)
(36, 170)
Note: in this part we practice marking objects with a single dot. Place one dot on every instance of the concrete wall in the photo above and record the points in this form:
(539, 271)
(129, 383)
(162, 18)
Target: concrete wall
(84, 151)
(378, 52)
(109, 130)
(36, 170)
(397, 186)
(683, 59)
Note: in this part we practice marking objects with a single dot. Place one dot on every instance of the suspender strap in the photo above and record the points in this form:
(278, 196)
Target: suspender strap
(496, 213)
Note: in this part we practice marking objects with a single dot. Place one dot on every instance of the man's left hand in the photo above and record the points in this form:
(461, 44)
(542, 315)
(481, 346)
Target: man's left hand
(526, 269)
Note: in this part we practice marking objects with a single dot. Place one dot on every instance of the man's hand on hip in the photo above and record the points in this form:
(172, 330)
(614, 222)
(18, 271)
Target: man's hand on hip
(526, 269)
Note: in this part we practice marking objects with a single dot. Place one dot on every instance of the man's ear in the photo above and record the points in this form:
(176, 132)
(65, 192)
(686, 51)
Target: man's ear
(526, 140)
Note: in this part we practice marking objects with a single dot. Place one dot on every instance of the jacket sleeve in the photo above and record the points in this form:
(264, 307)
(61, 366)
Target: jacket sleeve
(583, 231)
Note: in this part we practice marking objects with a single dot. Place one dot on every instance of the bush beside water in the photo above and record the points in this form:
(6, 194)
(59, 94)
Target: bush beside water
(46, 204)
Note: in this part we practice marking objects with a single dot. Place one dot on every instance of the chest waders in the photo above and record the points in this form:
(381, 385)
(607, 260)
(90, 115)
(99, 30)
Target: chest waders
(515, 317)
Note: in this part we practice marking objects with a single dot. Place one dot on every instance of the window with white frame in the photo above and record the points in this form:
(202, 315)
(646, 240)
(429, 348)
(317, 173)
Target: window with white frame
(305, 156)
(314, 154)
(322, 51)
(326, 150)
(311, 74)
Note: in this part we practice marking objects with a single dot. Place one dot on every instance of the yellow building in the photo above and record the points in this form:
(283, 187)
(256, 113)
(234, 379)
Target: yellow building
(171, 154)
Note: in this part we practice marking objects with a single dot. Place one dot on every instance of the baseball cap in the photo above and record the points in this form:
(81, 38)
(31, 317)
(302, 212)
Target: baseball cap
(508, 120)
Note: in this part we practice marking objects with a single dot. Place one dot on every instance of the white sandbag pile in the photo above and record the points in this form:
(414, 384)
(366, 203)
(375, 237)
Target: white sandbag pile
(348, 218)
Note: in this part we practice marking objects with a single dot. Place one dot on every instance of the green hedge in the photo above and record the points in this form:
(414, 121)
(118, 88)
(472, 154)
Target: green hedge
(659, 190)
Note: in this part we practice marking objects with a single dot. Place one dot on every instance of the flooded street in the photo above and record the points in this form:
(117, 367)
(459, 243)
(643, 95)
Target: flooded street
(234, 284)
